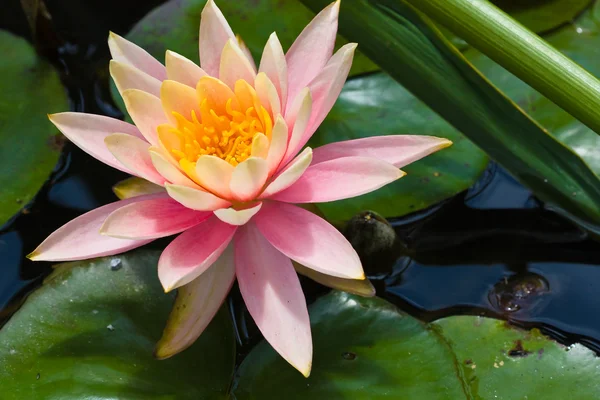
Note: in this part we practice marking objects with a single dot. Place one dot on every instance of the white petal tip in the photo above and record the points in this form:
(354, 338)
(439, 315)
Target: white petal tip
(210, 4)
(162, 353)
(400, 174)
(305, 371)
(444, 143)
(167, 284)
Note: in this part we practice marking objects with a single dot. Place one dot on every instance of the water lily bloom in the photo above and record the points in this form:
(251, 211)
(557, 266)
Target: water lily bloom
(223, 146)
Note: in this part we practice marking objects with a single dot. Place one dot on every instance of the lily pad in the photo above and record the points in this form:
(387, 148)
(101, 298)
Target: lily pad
(363, 349)
(376, 105)
(579, 41)
(29, 90)
(505, 363)
(367, 349)
(90, 331)
(174, 26)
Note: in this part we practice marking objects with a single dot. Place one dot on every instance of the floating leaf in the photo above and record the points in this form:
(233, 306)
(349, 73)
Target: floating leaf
(90, 330)
(363, 349)
(367, 349)
(501, 362)
(29, 89)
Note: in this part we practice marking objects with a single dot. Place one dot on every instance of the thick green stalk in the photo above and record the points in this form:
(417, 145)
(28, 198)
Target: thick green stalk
(526, 55)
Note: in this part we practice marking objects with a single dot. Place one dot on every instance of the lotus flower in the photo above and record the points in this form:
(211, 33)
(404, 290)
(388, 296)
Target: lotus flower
(224, 148)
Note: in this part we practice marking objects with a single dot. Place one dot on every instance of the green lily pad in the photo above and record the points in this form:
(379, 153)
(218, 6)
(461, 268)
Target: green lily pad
(90, 331)
(174, 26)
(367, 349)
(29, 89)
(505, 363)
(363, 349)
(580, 42)
(376, 105)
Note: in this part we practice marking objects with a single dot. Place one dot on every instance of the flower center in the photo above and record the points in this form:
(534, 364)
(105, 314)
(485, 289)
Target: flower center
(225, 125)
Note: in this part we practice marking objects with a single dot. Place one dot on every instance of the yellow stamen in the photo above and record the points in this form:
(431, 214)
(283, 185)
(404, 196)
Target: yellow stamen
(223, 130)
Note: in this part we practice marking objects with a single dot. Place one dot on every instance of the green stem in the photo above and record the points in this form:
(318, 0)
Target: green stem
(521, 52)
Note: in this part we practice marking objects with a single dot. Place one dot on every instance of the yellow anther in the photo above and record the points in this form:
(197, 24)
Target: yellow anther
(225, 130)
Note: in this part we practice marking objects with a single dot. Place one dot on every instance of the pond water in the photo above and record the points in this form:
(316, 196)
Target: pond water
(493, 250)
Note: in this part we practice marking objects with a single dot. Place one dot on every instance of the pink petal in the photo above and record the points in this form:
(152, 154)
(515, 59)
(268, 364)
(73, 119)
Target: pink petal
(196, 305)
(326, 88)
(235, 65)
(124, 51)
(80, 238)
(272, 293)
(151, 219)
(398, 150)
(196, 199)
(267, 93)
(134, 186)
(128, 77)
(214, 33)
(279, 138)
(246, 51)
(214, 174)
(248, 178)
(339, 179)
(146, 112)
(360, 287)
(308, 239)
(133, 153)
(290, 174)
(311, 50)
(297, 120)
(193, 252)
(182, 70)
(168, 170)
(237, 217)
(88, 131)
(179, 98)
(274, 65)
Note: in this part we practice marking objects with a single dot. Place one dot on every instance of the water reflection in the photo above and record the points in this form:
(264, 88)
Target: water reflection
(498, 252)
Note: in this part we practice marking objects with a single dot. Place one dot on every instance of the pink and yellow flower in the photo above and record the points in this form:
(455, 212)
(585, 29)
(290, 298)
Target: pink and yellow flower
(224, 144)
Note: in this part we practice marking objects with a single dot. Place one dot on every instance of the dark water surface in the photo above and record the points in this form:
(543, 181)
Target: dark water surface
(493, 250)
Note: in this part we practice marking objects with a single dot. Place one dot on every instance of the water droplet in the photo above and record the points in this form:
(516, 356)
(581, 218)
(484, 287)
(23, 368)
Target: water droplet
(110, 327)
(12, 351)
(115, 264)
(348, 355)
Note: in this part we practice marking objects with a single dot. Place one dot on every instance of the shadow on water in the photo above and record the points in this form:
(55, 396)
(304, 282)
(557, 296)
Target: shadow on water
(493, 250)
